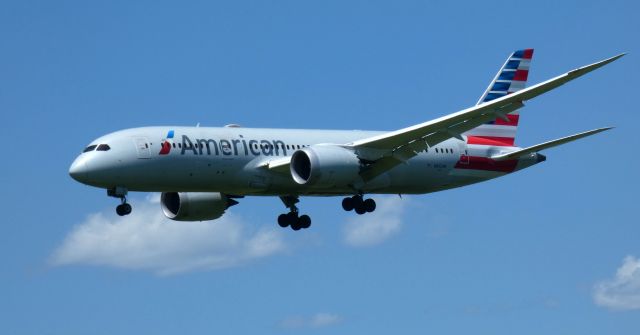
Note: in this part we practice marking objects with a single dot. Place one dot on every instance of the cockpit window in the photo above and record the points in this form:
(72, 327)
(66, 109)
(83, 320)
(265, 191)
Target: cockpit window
(89, 148)
(103, 147)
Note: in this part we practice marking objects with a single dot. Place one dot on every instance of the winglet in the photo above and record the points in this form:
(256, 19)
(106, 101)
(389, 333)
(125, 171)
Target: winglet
(548, 144)
(588, 68)
(560, 80)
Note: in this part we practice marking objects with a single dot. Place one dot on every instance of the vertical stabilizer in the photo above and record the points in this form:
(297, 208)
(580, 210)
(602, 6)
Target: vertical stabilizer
(512, 77)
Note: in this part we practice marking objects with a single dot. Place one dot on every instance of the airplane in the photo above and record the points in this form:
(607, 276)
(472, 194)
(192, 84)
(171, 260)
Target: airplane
(202, 171)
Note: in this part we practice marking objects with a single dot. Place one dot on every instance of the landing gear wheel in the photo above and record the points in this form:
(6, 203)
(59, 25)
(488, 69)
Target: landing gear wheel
(304, 221)
(347, 204)
(296, 226)
(292, 218)
(123, 209)
(369, 205)
(283, 220)
(360, 210)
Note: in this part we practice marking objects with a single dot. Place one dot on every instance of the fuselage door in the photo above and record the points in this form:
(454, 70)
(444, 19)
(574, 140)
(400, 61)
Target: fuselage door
(142, 147)
(464, 153)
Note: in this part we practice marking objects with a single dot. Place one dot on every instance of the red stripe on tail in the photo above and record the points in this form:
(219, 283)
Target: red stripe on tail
(521, 75)
(513, 120)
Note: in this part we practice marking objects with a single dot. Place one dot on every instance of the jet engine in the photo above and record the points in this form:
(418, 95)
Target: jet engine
(324, 166)
(194, 206)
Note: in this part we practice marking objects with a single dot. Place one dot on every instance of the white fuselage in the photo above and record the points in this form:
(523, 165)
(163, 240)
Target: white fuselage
(231, 160)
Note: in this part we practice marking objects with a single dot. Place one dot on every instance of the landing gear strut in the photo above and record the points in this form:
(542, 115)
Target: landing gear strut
(121, 193)
(358, 204)
(293, 219)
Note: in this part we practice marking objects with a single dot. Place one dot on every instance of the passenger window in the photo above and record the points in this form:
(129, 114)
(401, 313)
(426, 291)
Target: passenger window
(174, 145)
(89, 148)
(103, 147)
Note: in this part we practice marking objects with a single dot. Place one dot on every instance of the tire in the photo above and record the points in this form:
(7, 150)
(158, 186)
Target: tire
(295, 226)
(347, 204)
(120, 210)
(127, 208)
(360, 210)
(304, 221)
(292, 218)
(357, 201)
(369, 205)
(283, 220)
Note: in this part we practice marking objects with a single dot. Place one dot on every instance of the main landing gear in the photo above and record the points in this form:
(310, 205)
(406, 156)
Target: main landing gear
(293, 219)
(121, 193)
(358, 204)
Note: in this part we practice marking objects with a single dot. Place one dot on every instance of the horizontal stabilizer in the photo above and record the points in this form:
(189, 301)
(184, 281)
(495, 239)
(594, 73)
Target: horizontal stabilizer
(547, 145)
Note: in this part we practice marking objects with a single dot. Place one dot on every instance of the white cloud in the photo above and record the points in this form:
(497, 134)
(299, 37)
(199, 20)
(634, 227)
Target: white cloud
(324, 319)
(373, 228)
(146, 240)
(623, 291)
(318, 320)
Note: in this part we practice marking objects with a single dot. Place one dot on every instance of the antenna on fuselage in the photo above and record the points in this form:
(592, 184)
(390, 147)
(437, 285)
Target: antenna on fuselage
(198, 125)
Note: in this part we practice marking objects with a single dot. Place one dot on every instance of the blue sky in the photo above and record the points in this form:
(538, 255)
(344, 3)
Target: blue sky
(552, 249)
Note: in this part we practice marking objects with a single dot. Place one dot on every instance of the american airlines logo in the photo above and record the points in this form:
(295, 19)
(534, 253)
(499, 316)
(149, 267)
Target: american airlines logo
(231, 147)
(166, 144)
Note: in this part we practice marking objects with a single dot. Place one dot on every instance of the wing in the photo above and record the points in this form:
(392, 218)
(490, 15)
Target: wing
(385, 151)
(280, 165)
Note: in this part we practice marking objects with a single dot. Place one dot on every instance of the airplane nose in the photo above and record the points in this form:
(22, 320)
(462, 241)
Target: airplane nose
(79, 171)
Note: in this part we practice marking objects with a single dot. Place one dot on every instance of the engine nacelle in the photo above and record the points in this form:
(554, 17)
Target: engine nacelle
(194, 206)
(325, 166)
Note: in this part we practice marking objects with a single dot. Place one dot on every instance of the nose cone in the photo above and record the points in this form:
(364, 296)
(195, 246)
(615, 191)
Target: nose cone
(79, 171)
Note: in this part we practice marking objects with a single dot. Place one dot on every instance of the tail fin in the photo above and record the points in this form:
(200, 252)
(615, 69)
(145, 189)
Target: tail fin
(512, 77)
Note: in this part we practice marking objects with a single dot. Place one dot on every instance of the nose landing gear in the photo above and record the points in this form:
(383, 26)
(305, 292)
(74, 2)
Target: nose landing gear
(124, 208)
(121, 193)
